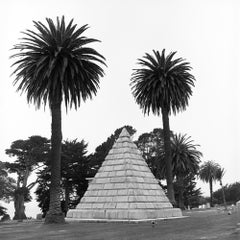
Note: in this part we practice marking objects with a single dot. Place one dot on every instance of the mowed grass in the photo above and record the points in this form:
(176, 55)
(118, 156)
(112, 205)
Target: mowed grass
(210, 224)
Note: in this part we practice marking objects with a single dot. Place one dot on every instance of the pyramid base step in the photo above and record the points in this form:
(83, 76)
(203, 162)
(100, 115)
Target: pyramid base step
(123, 214)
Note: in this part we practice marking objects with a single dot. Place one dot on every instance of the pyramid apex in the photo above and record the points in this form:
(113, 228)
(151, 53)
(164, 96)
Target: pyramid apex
(124, 133)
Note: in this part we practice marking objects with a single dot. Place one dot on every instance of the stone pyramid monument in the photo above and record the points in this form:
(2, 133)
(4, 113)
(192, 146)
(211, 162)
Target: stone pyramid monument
(124, 189)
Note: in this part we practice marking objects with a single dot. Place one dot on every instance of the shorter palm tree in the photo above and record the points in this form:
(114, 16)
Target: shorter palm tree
(185, 161)
(219, 175)
(208, 174)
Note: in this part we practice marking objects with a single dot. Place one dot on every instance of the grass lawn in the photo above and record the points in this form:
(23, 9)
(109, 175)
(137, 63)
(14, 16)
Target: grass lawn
(209, 224)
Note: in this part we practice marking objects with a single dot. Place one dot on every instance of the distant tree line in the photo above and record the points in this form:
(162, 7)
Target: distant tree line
(77, 167)
(232, 194)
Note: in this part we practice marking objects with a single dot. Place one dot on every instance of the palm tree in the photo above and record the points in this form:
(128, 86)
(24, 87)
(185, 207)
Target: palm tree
(185, 161)
(208, 173)
(219, 176)
(55, 65)
(163, 85)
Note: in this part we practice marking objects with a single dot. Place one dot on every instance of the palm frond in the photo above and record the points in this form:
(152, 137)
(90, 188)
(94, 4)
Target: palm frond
(55, 62)
(162, 82)
(208, 171)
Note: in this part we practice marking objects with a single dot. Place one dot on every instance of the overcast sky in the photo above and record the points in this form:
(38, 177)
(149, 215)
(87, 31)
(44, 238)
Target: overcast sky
(204, 32)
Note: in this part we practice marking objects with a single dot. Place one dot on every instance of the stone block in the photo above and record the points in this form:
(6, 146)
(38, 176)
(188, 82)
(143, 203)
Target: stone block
(119, 156)
(131, 179)
(112, 174)
(121, 198)
(141, 205)
(135, 173)
(123, 214)
(118, 167)
(122, 192)
(121, 173)
(102, 180)
(153, 186)
(133, 205)
(91, 199)
(129, 172)
(132, 199)
(91, 193)
(109, 168)
(135, 215)
(104, 174)
(98, 186)
(102, 192)
(130, 191)
(120, 186)
(104, 199)
(98, 205)
(99, 214)
(108, 186)
(110, 214)
(149, 205)
(110, 205)
(70, 213)
(151, 192)
(118, 179)
(122, 205)
(84, 205)
(112, 192)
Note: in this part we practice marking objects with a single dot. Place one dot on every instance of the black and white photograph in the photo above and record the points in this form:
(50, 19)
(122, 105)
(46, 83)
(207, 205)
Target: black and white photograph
(120, 120)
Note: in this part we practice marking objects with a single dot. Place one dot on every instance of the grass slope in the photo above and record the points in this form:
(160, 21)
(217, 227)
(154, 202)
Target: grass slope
(211, 224)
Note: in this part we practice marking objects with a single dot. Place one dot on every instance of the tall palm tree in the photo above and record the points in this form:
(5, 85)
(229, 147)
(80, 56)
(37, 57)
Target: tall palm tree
(219, 176)
(55, 65)
(163, 85)
(185, 161)
(208, 173)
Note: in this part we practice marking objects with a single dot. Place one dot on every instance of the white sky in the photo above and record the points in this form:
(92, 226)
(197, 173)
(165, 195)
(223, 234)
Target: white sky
(204, 32)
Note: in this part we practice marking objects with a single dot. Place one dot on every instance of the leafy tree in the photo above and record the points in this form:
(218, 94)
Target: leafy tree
(163, 85)
(3, 211)
(208, 173)
(232, 193)
(42, 192)
(219, 176)
(55, 65)
(7, 187)
(96, 159)
(186, 192)
(7, 184)
(150, 144)
(74, 171)
(30, 155)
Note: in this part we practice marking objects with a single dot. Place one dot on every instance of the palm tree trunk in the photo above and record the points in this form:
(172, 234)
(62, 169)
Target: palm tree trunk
(55, 214)
(181, 190)
(66, 197)
(168, 158)
(211, 192)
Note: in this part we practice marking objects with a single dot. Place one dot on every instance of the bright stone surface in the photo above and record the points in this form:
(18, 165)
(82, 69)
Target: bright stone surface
(124, 188)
